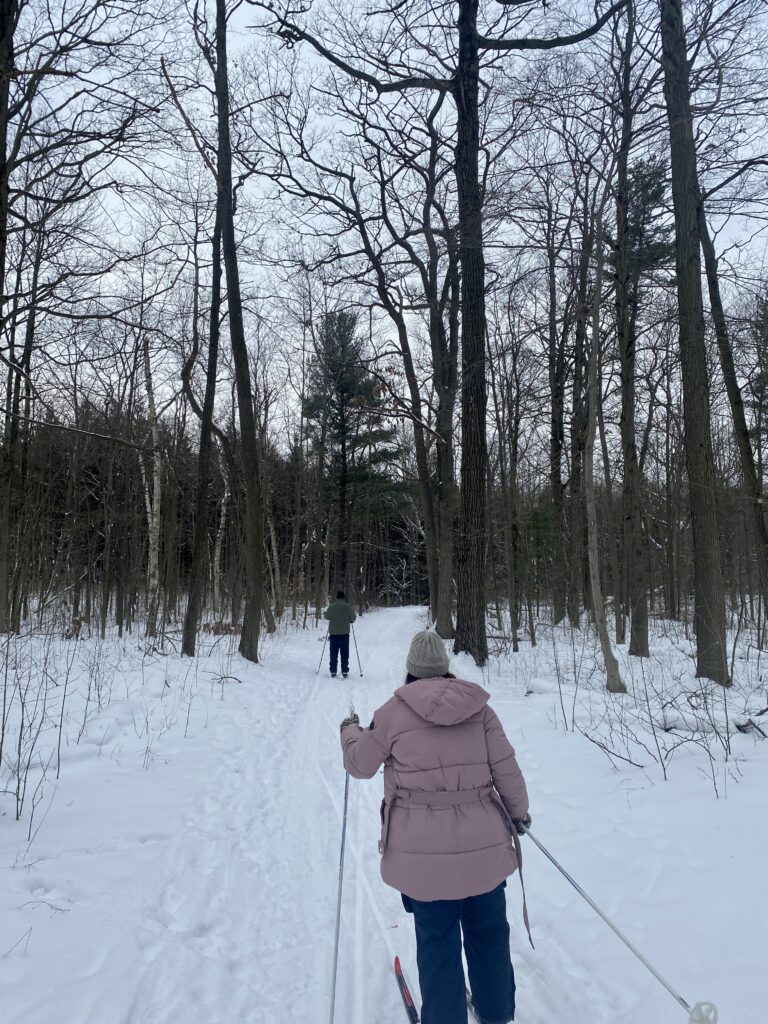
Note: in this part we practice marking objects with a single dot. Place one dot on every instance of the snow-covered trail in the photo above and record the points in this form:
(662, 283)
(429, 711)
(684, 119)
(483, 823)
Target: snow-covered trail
(203, 891)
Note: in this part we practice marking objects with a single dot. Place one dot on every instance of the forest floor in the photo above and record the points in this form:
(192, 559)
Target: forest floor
(183, 867)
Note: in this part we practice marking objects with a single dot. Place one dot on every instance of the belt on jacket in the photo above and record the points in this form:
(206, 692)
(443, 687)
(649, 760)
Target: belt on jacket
(436, 798)
(442, 798)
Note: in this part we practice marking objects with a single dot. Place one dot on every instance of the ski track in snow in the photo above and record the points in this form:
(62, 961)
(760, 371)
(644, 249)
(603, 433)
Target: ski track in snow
(203, 891)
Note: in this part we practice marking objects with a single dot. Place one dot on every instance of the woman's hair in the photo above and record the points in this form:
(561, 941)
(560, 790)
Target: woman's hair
(414, 679)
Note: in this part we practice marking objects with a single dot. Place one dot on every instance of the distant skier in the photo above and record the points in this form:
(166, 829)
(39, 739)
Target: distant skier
(340, 617)
(454, 800)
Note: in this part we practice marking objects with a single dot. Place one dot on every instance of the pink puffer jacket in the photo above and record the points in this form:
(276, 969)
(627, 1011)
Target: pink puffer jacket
(451, 789)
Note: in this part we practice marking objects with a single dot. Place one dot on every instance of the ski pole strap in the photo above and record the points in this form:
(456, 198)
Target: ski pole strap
(519, 852)
(494, 795)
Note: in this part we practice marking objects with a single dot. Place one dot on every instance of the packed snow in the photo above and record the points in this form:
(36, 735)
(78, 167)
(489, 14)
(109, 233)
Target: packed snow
(182, 868)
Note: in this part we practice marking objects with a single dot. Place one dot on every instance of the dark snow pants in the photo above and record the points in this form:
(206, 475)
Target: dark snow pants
(340, 646)
(439, 927)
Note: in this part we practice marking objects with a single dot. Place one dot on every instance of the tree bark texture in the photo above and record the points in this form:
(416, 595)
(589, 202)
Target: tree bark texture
(200, 534)
(709, 612)
(470, 612)
(556, 363)
(578, 432)
(8, 17)
(751, 478)
(613, 679)
(445, 345)
(507, 417)
(319, 558)
(254, 511)
(634, 566)
(153, 496)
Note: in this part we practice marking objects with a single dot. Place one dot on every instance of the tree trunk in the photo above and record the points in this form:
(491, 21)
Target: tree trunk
(445, 348)
(578, 426)
(751, 479)
(341, 559)
(614, 526)
(200, 532)
(218, 610)
(15, 444)
(613, 680)
(319, 548)
(633, 548)
(153, 496)
(8, 17)
(254, 525)
(556, 361)
(107, 511)
(269, 618)
(709, 615)
(279, 581)
(446, 517)
(498, 392)
(471, 561)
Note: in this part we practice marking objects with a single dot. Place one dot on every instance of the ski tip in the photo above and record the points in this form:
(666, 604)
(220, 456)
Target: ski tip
(397, 963)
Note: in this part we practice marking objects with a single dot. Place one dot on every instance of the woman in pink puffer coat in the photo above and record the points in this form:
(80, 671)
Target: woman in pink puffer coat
(453, 793)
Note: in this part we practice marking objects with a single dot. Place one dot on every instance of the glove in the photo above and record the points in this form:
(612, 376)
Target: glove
(522, 824)
(352, 720)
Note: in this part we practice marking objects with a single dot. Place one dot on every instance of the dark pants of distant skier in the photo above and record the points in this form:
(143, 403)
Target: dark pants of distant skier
(439, 927)
(340, 646)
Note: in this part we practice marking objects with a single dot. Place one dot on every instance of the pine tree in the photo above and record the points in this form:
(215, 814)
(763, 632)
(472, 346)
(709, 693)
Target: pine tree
(345, 410)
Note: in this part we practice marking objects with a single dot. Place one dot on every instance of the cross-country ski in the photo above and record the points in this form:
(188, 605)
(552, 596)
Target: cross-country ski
(405, 992)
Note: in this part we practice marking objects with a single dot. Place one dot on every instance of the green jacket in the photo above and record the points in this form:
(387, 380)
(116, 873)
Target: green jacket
(340, 616)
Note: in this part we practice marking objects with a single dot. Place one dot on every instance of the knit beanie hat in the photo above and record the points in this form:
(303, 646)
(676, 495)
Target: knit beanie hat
(427, 656)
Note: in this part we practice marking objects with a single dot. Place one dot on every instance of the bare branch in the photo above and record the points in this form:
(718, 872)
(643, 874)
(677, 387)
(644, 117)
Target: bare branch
(198, 142)
(555, 41)
(291, 34)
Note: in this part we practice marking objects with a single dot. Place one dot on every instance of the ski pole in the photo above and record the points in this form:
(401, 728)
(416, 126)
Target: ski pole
(322, 653)
(357, 652)
(338, 900)
(701, 1013)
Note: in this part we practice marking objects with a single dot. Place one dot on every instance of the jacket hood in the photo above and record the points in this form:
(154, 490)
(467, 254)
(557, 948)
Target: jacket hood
(443, 701)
